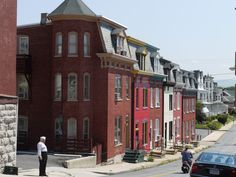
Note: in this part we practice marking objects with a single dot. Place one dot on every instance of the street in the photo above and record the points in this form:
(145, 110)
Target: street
(174, 169)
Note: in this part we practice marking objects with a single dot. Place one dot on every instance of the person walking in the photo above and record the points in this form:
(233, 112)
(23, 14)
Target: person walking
(42, 155)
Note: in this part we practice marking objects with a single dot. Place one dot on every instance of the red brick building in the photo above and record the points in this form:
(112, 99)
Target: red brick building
(189, 96)
(74, 82)
(8, 99)
(147, 95)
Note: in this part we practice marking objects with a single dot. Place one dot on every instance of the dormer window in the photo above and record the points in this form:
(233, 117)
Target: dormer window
(141, 54)
(118, 39)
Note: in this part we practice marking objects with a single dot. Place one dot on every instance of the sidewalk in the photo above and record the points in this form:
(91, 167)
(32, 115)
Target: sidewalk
(123, 166)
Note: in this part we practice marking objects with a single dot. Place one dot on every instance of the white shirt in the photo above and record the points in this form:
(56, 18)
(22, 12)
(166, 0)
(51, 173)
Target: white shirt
(41, 148)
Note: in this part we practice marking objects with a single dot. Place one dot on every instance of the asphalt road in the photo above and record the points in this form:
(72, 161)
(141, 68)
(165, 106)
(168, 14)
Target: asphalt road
(227, 143)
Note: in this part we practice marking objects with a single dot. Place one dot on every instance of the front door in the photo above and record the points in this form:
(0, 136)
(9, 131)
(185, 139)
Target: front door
(127, 143)
(137, 136)
(165, 134)
(22, 135)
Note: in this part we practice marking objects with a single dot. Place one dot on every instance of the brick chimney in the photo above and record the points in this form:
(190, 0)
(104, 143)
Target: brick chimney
(43, 18)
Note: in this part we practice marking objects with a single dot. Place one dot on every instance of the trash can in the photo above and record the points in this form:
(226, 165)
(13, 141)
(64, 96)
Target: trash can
(10, 170)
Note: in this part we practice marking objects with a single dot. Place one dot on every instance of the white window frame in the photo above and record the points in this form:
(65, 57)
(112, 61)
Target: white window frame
(145, 132)
(23, 45)
(22, 87)
(118, 131)
(72, 45)
(87, 44)
(86, 86)
(145, 97)
(157, 100)
(86, 129)
(58, 44)
(70, 96)
(193, 127)
(157, 129)
(118, 87)
(151, 97)
(58, 87)
(178, 101)
(127, 88)
(72, 128)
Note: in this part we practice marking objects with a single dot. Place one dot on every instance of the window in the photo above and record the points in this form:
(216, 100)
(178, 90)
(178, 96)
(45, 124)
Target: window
(58, 49)
(72, 128)
(120, 44)
(156, 130)
(23, 45)
(174, 101)
(170, 130)
(193, 127)
(58, 82)
(137, 97)
(187, 106)
(23, 124)
(72, 43)
(86, 86)
(58, 126)
(145, 97)
(144, 132)
(178, 101)
(170, 102)
(127, 87)
(22, 87)
(193, 104)
(72, 86)
(141, 61)
(157, 97)
(86, 44)
(117, 130)
(118, 87)
(86, 128)
(151, 97)
(186, 129)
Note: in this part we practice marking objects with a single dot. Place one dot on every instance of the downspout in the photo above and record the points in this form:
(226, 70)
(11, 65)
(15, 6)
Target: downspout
(132, 110)
(163, 116)
(182, 118)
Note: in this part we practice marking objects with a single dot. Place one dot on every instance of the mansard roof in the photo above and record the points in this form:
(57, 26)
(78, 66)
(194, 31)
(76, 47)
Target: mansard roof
(72, 7)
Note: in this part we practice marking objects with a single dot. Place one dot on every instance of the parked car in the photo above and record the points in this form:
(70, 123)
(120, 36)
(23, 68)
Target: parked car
(214, 164)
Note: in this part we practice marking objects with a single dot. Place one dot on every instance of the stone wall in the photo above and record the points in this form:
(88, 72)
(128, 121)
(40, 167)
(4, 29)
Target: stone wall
(8, 131)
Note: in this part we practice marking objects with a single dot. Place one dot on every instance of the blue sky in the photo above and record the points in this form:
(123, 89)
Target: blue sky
(196, 34)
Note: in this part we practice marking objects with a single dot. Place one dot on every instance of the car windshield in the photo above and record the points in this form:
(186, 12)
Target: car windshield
(215, 158)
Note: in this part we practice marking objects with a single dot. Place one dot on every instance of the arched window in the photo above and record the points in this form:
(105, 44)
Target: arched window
(58, 126)
(72, 128)
(72, 43)
(58, 42)
(86, 86)
(72, 86)
(86, 44)
(86, 128)
(22, 87)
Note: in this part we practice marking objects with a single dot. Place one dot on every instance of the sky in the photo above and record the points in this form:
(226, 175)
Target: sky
(196, 34)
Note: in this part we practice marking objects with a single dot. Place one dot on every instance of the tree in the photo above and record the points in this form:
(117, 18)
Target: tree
(200, 116)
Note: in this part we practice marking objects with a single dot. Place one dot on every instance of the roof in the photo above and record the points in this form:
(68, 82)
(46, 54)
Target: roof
(72, 7)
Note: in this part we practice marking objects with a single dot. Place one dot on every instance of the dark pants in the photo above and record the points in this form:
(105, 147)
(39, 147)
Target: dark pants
(42, 164)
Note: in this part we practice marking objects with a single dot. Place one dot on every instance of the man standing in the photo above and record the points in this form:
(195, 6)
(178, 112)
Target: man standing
(42, 155)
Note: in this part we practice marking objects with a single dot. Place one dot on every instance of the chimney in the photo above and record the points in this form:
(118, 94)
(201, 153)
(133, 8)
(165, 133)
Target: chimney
(43, 18)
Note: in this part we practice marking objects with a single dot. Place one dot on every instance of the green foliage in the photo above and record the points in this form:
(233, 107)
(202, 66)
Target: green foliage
(222, 118)
(150, 159)
(232, 111)
(201, 117)
(214, 125)
(211, 118)
(202, 126)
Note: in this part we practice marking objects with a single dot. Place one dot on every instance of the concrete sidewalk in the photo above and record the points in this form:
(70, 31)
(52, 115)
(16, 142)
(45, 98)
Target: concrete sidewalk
(123, 166)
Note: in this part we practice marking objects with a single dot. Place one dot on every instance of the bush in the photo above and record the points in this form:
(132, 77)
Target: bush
(214, 125)
(211, 118)
(201, 126)
(223, 118)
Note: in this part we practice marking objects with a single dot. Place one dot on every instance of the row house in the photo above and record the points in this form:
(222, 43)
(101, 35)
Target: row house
(209, 94)
(8, 98)
(77, 70)
(75, 76)
(189, 106)
(147, 93)
(169, 84)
